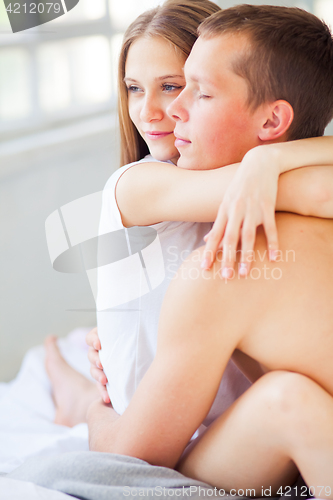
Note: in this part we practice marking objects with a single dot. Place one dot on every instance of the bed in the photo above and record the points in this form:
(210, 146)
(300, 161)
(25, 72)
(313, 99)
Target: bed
(40, 460)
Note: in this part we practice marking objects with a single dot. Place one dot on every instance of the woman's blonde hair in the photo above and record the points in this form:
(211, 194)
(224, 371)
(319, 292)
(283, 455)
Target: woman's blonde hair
(176, 21)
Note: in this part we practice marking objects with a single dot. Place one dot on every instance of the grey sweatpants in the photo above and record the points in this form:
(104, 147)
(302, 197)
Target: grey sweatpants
(106, 476)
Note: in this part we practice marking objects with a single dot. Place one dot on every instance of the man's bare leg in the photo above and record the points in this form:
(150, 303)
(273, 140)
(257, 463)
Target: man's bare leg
(72, 392)
(283, 419)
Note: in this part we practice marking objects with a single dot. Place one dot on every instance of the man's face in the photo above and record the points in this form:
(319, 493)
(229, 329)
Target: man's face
(214, 126)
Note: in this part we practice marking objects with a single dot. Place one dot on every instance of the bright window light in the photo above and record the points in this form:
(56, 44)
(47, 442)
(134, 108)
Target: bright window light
(15, 88)
(53, 76)
(91, 69)
(123, 12)
(324, 10)
(94, 9)
(116, 43)
(85, 10)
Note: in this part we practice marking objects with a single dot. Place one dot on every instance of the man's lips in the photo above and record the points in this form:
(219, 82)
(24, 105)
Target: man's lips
(181, 141)
(153, 136)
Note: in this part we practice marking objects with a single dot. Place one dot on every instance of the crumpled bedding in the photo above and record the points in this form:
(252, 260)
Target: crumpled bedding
(27, 409)
(11, 489)
(106, 476)
(46, 461)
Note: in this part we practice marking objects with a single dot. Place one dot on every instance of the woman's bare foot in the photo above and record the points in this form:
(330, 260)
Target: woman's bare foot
(72, 392)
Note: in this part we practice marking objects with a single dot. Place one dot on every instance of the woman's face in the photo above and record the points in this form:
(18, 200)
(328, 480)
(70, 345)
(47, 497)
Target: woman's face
(154, 77)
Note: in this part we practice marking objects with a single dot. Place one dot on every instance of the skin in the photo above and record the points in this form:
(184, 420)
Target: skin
(219, 99)
(150, 92)
(279, 334)
(201, 326)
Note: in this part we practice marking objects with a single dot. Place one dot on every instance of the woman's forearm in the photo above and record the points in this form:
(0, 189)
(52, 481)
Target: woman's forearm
(307, 191)
(302, 153)
(153, 192)
(305, 188)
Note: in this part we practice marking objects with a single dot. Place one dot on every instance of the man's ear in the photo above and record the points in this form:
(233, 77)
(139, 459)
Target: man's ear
(279, 117)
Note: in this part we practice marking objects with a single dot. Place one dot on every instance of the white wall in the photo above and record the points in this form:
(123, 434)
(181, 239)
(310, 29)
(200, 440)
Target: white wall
(34, 299)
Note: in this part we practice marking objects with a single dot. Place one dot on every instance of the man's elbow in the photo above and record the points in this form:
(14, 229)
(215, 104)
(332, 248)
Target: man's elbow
(107, 442)
(104, 444)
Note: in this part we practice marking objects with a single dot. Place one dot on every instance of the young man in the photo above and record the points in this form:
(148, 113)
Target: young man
(279, 316)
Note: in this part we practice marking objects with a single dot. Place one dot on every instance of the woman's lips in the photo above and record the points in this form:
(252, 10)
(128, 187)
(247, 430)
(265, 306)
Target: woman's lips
(153, 136)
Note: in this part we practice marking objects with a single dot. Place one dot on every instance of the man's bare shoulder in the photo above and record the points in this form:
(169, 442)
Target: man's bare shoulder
(307, 241)
(294, 227)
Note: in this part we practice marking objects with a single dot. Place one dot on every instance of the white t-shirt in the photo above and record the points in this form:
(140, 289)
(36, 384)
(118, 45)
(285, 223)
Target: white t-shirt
(131, 289)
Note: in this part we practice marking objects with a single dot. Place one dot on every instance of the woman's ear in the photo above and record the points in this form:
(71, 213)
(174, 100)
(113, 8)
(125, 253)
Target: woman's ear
(280, 115)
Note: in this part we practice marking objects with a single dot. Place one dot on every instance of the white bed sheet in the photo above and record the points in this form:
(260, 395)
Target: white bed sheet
(10, 489)
(27, 409)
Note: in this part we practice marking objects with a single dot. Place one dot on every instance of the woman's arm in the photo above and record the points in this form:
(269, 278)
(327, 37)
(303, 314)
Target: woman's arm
(303, 153)
(307, 191)
(148, 193)
(253, 196)
(153, 192)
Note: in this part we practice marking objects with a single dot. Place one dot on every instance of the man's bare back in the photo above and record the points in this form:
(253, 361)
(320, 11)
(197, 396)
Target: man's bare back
(281, 315)
(287, 321)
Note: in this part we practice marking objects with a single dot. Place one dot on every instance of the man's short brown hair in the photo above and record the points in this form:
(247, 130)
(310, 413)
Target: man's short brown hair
(290, 57)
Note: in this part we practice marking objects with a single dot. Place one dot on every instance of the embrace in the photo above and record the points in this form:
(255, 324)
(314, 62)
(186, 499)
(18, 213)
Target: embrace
(219, 133)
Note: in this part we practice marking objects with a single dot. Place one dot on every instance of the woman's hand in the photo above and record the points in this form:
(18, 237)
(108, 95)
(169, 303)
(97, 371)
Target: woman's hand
(96, 368)
(249, 201)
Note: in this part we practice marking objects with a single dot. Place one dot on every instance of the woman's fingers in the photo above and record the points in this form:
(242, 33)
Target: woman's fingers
(241, 225)
(96, 368)
(213, 239)
(103, 393)
(248, 234)
(93, 357)
(92, 339)
(101, 382)
(98, 375)
(230, 243)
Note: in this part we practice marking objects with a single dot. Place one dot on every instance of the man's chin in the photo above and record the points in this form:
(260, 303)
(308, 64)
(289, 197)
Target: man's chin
(186, 163)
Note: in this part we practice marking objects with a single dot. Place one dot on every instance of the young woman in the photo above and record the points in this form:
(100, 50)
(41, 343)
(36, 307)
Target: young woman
(155, 42)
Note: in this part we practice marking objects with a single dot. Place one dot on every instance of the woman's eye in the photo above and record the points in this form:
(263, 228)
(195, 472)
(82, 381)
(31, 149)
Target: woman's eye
(204, 96)
(169, 88)
(133, 88)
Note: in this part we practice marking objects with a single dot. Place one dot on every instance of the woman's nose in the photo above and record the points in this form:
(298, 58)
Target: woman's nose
(151, 110)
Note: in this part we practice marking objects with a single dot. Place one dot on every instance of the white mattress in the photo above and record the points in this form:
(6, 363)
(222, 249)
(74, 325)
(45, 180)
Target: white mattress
(27, 409)
(10, 489)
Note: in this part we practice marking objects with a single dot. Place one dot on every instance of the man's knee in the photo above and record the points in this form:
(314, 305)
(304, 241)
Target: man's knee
(286, 397)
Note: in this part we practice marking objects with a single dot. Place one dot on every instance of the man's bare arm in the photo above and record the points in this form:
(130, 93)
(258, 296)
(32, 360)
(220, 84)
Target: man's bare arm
(178, 390)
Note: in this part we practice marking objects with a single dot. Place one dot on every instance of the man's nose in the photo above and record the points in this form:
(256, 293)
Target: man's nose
(176, 109)
(151, 110)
